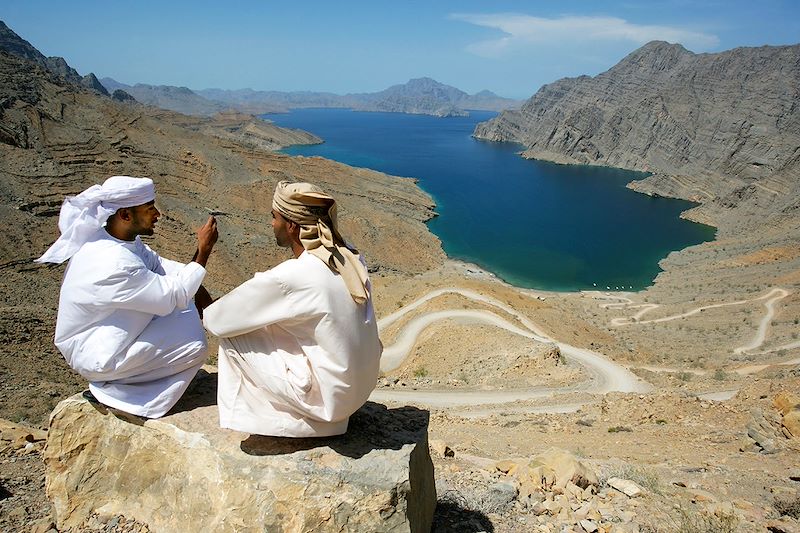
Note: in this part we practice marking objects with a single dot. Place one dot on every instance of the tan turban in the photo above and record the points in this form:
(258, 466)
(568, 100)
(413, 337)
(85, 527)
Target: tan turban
(315, 212)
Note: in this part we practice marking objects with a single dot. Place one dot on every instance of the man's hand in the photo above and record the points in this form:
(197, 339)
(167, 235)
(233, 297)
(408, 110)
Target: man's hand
(206, 238)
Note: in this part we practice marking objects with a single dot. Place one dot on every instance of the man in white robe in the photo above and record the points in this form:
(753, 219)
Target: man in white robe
(299, 349)
(126, 317)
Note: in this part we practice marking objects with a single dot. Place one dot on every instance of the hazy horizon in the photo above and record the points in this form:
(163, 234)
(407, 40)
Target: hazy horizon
(510, 47)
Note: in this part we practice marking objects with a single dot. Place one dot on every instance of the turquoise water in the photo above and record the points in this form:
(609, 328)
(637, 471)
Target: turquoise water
(533, 224)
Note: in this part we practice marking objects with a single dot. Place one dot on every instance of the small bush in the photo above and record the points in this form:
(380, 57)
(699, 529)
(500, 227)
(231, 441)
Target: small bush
(720, 375)
(789, 508)
(691, 521)
(618, 429)
(640, 475)
(420, 372)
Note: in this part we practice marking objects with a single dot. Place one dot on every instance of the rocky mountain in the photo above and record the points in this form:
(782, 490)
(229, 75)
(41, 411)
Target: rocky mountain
(710, 126)
(418, 96)
(258, 102)
(16, 45)
(428, 96)
(180, 99)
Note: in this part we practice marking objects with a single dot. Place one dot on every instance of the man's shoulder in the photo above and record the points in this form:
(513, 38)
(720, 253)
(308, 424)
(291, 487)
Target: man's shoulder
(106, 252)
(302, 270)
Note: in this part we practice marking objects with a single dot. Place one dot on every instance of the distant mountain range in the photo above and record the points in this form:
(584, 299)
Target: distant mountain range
(418, 96)
(178, 99)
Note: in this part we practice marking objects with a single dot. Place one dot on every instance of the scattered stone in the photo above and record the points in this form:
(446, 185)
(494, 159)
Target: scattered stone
(588, 525)
(625, 486)
(441, 449)
(786, 401)
(556, 468)
(762, 432)
(499, 497)
(791, 422)
(44, 525)
(783, 493)
(18, 513)
(783, 525)
(19, 436)
(506, 466)
(701, 496)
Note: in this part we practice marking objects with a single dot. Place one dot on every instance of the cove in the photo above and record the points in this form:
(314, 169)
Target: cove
(533, 224)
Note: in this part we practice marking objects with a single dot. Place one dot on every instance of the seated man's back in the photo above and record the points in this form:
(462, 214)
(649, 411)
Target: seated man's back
(299, 352)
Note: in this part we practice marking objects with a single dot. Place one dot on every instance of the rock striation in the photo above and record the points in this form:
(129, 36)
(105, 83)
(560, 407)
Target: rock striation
(183, 473)
(665, 109)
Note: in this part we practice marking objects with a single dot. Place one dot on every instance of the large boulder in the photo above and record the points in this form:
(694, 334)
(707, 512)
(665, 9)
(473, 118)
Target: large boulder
(183, 473)
(788, 404)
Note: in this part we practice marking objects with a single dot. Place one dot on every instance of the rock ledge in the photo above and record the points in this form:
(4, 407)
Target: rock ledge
(183, 473)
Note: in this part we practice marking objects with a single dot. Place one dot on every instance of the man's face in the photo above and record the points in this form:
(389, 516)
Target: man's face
(144, 218)
(281, 228)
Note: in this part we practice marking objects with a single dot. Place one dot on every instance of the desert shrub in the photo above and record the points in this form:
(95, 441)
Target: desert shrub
(788, 508)
(693, 521)
(642, 476)
(619, 429)
(420, 372)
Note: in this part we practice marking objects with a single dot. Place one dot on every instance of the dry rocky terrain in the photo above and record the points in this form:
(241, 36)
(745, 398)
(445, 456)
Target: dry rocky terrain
(712, 446)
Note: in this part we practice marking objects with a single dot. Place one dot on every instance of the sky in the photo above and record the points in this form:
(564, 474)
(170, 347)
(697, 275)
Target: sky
(510, 47)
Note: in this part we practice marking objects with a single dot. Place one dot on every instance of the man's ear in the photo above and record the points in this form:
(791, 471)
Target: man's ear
(123, 213)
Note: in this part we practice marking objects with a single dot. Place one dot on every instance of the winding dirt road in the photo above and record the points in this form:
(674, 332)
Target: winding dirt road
(771, 298)
(605, 375)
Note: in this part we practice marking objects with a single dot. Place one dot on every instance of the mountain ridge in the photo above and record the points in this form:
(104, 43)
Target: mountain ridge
(417, 96)
(718, 122)
(16, 45)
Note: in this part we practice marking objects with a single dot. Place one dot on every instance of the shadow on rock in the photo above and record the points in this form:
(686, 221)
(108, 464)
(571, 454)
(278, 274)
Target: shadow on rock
(202, 392)
(453, 514)
(372, 427)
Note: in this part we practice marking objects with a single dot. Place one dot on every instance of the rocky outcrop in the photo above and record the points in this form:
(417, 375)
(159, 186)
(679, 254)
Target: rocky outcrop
(90, 81)
(17, 46)
(256, 132)
(716, 123)
(183, 473)
(788, 404)
(121, 96)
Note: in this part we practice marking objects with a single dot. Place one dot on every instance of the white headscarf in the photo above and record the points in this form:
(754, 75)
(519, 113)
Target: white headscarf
(81, 216)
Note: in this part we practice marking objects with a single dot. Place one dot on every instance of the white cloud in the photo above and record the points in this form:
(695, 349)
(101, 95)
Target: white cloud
(520, 30)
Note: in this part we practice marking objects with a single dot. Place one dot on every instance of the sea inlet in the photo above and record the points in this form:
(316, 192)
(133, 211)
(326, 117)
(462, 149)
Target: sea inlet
(533, 224)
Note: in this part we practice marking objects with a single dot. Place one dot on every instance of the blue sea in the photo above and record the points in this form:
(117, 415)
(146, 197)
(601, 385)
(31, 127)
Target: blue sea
(533, 224)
